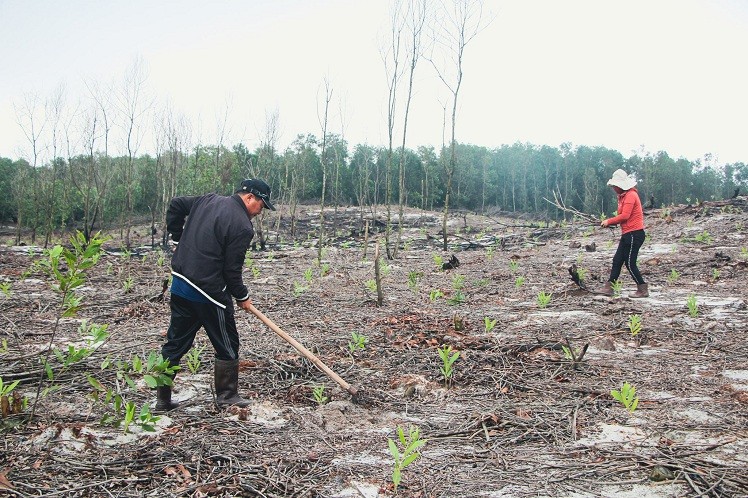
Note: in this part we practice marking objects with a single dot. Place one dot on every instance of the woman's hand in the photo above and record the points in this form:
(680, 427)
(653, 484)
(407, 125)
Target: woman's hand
(604, 223)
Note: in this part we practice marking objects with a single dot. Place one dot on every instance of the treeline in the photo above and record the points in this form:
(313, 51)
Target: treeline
(92, 190)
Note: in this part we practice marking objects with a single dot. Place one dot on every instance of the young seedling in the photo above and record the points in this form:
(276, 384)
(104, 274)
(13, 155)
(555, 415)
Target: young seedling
(544, 299)
(693, 307)
(519, 281)
(439, 261)
(635, 324)
(513, 266)
(298, 289)
(490, 324)
(626, 396)
(435, 294)
(703, 237)
(617, 286)
(457, 298)
(413, 277)
(193, 359)
(319, 395)
(674, 276)
(448, 357)
(5, 288)
(715, 274)
(458, 282)
(308, 275)
(406, 453)
(358, 341)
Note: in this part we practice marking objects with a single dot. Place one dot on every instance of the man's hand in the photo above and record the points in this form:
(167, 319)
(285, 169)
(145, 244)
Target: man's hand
(604, 223)
(245, 305)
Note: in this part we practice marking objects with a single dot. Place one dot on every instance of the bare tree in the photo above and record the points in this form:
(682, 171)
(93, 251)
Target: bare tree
(391, 56)
(54, 110)
(415, 18)
(323, 123)
(460, 22)
(32, 121)
(133, 105)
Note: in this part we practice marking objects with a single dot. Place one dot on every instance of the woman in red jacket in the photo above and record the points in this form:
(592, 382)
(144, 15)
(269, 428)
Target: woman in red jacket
(631, 218)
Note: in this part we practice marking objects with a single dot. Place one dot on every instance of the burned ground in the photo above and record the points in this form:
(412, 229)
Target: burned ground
(520, 416)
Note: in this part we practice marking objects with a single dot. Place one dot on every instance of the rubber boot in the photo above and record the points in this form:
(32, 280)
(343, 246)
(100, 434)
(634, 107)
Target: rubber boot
(227, 384)
(164, 402)
(607, 289)
(642, 290)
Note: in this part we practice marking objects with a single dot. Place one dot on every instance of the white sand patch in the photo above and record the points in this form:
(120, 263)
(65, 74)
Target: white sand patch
(359, 490)
(736, 374)
(653, 490)
(658, 249)
(365, 458)
(614, 434)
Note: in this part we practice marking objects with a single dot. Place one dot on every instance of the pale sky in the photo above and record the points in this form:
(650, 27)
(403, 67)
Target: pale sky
(667, 75)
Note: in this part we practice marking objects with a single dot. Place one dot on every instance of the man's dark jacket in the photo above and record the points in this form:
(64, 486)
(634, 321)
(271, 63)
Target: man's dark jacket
(212, 243)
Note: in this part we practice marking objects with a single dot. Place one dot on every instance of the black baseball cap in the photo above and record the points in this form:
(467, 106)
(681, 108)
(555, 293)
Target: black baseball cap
(258, 188)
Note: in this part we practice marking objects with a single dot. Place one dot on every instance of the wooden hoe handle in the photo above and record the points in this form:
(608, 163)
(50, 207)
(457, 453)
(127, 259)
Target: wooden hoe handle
(301, 349)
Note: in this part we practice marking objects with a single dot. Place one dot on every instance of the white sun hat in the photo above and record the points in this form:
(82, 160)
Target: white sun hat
(622, 180)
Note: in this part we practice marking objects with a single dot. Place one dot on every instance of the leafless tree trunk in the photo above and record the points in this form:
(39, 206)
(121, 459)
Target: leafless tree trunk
(32, 125)
(460, 24)
(55, 107)
(415, 18)
(133, 106)
(323, 123)
(391, 57)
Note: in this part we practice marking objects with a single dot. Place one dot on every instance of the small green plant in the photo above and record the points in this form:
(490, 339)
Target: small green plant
(324, 269)
(743, 253)
(635, 324)
(513, 266)
(3, 346)
(126, 254)
(626, 396)
(308, 275)
(255, 272)
(703, 237)
(458, 282)
(6, 389)
(160, 259)
(448, 357)
(568, 353)
(489, 324)
(457, 298)
(435, 294)
(489, 252)
(371, 285)
(358, 341)
(319, 394)
(128, 284)
(5, 288)
(617, 286)
(438, 261)
(674, 276)
(693, 307)
(193, 359)
(298, 289)
(519, 281)
(582, 272)
(715, 273)
(609, 244)
(544, 299)
(406, 453)
(413, 277)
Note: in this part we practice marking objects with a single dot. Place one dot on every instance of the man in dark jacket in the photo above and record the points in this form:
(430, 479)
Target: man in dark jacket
(207, 278)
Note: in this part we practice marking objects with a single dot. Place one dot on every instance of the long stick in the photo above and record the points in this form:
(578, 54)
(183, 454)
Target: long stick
(304, 351)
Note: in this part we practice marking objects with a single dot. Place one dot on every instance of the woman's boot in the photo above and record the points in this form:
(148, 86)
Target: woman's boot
(226, 376)
(164, 402)
(642, 290)
(607, 289)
